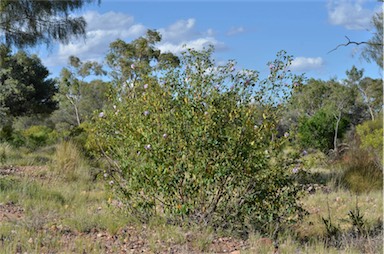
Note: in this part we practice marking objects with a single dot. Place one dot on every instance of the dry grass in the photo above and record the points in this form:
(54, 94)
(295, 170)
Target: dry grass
(69, 163)
(66, 211)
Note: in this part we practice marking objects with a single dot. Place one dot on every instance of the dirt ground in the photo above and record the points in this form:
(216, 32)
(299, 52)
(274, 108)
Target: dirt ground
(126, 240)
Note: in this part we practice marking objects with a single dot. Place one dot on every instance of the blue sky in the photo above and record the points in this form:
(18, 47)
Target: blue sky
(250, 32)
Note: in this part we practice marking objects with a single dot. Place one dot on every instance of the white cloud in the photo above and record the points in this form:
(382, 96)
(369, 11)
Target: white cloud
(307, 63)
(105, 28)
(101, 31)
(349, 13)
(197, 44)
(235, 30)
(180, 30)
(182, 34)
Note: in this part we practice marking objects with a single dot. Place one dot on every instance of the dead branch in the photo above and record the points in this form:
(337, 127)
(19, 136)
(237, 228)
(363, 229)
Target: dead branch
(354, 43)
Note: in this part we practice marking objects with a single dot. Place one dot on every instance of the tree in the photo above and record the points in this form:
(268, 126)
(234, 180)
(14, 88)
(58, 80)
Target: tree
(138, 59)
(24, 85)
(340, 102)
(370, 90)
(318, 131)
(30, 22)
(311, 97)
(314, 103)
(77, 98)
(373, 49)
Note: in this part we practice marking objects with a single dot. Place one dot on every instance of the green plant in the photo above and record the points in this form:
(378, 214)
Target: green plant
(370, 134)
(196, 147)
(38, 135)
(333, 233)
(3, 155)
(318, 131)
(357, 221)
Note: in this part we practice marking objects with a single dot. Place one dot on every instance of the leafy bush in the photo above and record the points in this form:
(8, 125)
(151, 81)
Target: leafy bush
(371, 137)
(38, 135)
(318, 131)
(197, 145)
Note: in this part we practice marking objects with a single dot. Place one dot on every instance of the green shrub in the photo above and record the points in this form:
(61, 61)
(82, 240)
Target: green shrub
(197, 146)
(6, 133)
(38, 135)
(318, 131)
(371, 137)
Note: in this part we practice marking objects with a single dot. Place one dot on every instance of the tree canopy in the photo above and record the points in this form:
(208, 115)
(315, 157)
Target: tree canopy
(24, 84)
(374, 47)
(31, 22)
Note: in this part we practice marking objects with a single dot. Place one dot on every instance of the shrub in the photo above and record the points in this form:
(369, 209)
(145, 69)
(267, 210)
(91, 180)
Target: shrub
(370, 134)
(318, 131)
(38, 135)
(197, 146)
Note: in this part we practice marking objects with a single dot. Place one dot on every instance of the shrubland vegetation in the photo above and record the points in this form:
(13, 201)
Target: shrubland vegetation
(189, 148)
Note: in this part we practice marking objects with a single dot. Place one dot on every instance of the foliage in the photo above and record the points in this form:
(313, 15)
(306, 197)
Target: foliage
(323, 110)
(369, 93)
(135, 60)
(31, 137)
(333, 233)
(38, 136)
(371, 135)
(77, 98)
(357, 220)
(24, 85)
(310, 97)
(196, 147)
(374, 47)
(318, 131)
(30, 22)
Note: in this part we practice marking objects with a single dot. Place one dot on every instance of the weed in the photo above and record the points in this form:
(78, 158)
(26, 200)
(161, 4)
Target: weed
(357, 221)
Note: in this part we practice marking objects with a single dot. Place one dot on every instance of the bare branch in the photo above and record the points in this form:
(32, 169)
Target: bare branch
(355, 43)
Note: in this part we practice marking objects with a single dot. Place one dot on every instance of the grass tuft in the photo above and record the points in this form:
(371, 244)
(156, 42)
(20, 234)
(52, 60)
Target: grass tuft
(360, 172)
(69, 163)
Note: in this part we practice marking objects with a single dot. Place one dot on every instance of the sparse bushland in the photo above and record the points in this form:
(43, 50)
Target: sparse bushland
(195, 158)
(49, 214)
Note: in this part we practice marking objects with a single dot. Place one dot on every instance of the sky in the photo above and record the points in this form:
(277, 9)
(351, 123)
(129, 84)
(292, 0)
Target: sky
(250, 32)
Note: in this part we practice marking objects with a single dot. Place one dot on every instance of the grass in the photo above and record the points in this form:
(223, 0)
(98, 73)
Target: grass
(64, 209)
(359, 171)
(69, 163)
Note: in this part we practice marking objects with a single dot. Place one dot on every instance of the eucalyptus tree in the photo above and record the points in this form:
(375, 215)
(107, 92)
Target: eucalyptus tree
(138, 60)
(370, 91)
(322, 109)
(77, 98)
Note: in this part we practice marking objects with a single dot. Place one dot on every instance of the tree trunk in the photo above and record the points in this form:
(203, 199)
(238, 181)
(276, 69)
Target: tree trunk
(76, 110)
(371, 112)
(338, 118)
